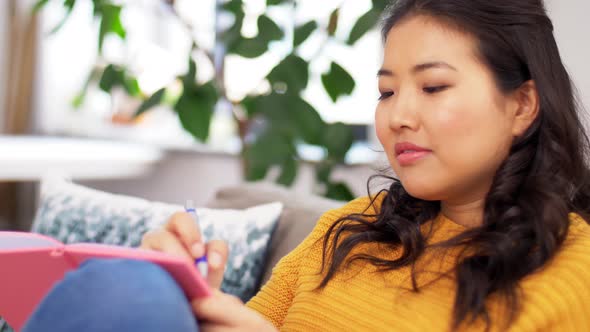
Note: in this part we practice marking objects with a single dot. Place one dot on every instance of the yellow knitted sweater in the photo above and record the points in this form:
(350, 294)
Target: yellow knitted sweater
(555, 298)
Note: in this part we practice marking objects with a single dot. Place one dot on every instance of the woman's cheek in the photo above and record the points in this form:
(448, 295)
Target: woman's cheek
(450, 116)
(450, 130)
(381, 127)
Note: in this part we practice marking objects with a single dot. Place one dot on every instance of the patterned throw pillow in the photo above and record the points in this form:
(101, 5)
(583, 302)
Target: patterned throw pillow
(72, 213)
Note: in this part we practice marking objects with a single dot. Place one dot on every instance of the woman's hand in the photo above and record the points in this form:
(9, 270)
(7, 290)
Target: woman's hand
(180, 236)
(220, 312)
(223, 312)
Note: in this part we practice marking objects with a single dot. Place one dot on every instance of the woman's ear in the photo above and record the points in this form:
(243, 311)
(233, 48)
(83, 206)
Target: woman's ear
(527, 101)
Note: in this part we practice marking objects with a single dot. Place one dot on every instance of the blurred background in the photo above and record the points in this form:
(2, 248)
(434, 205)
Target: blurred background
(169, 100)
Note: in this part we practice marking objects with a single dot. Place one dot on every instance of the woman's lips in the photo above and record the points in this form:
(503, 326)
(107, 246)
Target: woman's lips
(408, 153)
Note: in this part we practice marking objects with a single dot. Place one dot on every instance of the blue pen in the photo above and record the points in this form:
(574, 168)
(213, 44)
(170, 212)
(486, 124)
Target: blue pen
(200, 262)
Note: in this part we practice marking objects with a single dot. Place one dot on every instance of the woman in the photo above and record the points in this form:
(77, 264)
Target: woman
(484, 227)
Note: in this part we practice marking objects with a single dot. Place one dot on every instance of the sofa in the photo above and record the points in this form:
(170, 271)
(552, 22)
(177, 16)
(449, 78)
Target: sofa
(299, 216)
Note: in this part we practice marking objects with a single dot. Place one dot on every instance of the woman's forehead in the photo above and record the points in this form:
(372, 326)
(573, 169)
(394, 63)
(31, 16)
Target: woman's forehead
(422, 39)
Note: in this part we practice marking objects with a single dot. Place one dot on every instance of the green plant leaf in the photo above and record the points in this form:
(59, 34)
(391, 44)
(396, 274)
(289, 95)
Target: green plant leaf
(131, 86)
(111, 77)
(333, 23)
(268, 30)
(114, 21)
(38, 5)
(93, 76)
(233, 6)
(306, 119)
(277, 111)
(380, 5)
(189, 78)
(339, 191)
(337, 138)
(114, 76)
(255, 169)
(110, 22)
(97, 4)
(152, 101)
(195, 109)
(272, 147)
(249, 47)
(303, 32)
(250, 104)
(276, 2)
(288, 172)
(78, 100)
(338, 82)
(289, 114)
(363, 25)
(69, 6)
(271, 105)
(192, 69)
(232, 36)
(293, 71)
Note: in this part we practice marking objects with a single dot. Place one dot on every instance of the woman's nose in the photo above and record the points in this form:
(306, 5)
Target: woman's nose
(403, 112)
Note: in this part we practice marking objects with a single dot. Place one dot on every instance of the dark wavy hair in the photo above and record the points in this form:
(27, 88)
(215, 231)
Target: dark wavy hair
(544, 177)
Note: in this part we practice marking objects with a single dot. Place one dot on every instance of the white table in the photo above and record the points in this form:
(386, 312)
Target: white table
(29, 158)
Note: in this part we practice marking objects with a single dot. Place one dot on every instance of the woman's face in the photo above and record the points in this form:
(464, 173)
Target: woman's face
(443, 123)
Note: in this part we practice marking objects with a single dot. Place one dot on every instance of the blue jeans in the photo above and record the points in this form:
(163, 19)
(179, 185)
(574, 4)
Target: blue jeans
(114, 295)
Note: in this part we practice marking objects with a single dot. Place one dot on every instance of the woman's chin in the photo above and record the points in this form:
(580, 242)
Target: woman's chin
(422, 191)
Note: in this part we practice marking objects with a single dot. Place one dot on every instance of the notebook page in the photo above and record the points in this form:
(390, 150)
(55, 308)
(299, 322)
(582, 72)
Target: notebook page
(19, 240)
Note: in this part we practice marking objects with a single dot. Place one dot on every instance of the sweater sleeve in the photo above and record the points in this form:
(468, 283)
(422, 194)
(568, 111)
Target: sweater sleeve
(562, 302)
(574, 307)
(275, 297)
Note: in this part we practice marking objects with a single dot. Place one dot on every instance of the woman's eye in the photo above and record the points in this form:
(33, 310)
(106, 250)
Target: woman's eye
(385, 95)
(434, 89)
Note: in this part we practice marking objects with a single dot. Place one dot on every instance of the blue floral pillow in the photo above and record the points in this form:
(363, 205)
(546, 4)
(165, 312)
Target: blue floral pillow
(72, 213)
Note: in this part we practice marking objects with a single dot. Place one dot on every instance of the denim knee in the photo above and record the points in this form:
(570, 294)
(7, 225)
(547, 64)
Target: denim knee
(115, 295)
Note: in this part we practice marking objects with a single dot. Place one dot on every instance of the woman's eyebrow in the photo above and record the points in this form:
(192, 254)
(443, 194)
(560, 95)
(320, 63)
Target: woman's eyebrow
(431, 65)
(384, 72)
(419, 68)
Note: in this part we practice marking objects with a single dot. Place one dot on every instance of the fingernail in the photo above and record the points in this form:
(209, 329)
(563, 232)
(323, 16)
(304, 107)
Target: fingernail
(198, 249)
(214, 259)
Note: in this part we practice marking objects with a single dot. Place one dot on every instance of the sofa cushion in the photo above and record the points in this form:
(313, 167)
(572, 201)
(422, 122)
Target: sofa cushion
(300, 213)
(73, 213)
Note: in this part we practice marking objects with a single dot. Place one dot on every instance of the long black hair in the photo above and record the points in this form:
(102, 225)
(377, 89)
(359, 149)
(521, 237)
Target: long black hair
(544, 177)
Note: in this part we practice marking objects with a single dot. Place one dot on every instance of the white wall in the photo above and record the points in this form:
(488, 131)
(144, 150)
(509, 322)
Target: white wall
(571, 21)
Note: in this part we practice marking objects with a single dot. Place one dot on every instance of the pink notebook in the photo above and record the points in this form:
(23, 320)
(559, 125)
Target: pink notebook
(30, 264)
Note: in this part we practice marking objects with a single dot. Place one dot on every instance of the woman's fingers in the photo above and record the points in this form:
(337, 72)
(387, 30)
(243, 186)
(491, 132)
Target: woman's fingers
(185, 228)
(219, 309)
(209, 327)
(163, 240)
(217, 253)
(181, 236)
(223, 312)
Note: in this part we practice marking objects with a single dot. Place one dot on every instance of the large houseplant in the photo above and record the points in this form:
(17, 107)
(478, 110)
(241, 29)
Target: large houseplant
(283, 118)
